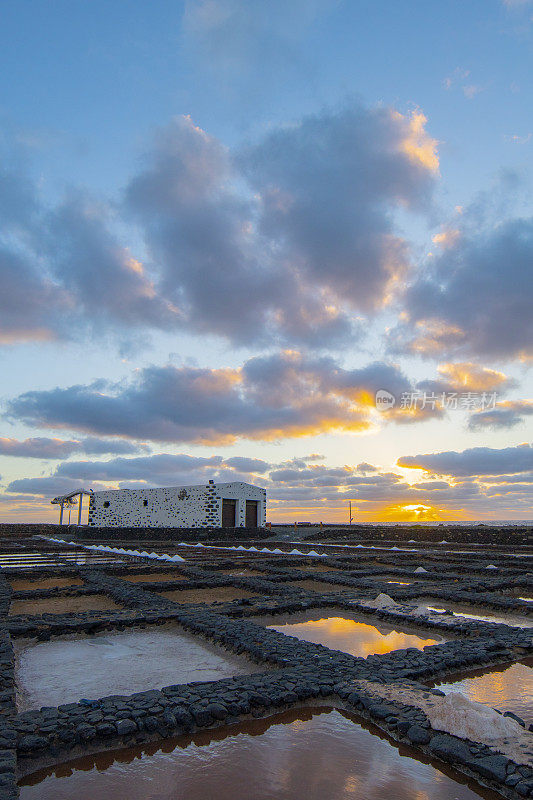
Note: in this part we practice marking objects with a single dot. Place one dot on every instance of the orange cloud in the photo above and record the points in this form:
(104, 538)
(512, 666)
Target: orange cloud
(446, 238)
(466, 375)
(418, 144)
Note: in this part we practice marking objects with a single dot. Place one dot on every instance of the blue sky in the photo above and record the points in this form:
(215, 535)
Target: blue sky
(273, 209)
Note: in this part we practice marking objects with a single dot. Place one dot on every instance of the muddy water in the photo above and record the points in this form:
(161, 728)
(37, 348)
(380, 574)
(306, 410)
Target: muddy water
(505, 688)
(316, 755)
(321, 586)
(347, 633)
(65, 670)
(141, 577)
(469, 612)
(18, 584)
(246, 573)
(64, 605)
(218, 594)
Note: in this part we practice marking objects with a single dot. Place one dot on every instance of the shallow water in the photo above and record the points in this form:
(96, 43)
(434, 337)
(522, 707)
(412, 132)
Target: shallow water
(64, 605)
(514, 620)
(341, 632)
(152, 577)
(505, 688)
(65, 670)
(316, 755)
(19, 584)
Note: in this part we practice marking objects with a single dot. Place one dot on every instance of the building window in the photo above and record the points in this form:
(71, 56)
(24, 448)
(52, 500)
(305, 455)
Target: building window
(145, 502)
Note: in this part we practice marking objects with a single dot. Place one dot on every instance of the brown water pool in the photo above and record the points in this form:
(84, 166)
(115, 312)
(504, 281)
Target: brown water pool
(152, 576)
(505, 688)
(242, 572)
(20, 584)
(320, 586)
(65, 670)
(342, 631)
(312, 754)
(482, 615)
(64, 605)
(217, 594)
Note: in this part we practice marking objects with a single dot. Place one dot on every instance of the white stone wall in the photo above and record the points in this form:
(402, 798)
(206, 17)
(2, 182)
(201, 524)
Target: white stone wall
(174, 507)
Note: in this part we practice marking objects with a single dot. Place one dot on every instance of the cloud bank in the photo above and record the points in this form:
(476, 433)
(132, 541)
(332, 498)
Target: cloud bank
(289, 238)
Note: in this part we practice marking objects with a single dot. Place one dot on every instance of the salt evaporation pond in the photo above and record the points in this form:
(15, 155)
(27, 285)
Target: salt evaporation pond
(515, 620)
(314, 754)
(343, 632)
(504, 688)
(68, 669)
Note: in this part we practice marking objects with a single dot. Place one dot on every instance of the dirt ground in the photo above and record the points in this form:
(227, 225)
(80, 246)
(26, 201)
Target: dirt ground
(222, 593)
(63, 605)
(153, 576)
(20, 584)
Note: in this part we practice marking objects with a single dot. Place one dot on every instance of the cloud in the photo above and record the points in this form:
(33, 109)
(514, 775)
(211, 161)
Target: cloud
(146, 468)
(229, 32)
(64, 272)
(107, 284)
(162, 469)
(287, 237)
(462, 382)
(297, 487)
(471, 90)
(457, 76)
(286, 394)
(243, 464)
(46, 448)
(474, 297)
(282, 395)
(290, 238)
(27, 300)
(517, 139)
(474, 461)
(229, 42)
(506, 414)
(50, 486)
(324, 186)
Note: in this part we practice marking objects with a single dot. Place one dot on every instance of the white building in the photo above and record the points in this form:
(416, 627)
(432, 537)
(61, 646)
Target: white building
(212, 505)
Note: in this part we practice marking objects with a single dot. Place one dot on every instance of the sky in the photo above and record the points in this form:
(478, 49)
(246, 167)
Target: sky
(282, 242)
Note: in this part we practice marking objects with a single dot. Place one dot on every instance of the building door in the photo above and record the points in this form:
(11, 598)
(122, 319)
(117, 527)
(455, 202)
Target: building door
(229, 508)
(251, 513)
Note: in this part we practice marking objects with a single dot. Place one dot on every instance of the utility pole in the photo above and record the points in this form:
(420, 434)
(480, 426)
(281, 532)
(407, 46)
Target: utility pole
(351, 512)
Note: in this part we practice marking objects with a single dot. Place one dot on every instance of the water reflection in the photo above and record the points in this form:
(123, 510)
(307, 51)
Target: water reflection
(505, 688)
(507, 619)
(351, 636)
(313, 754)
